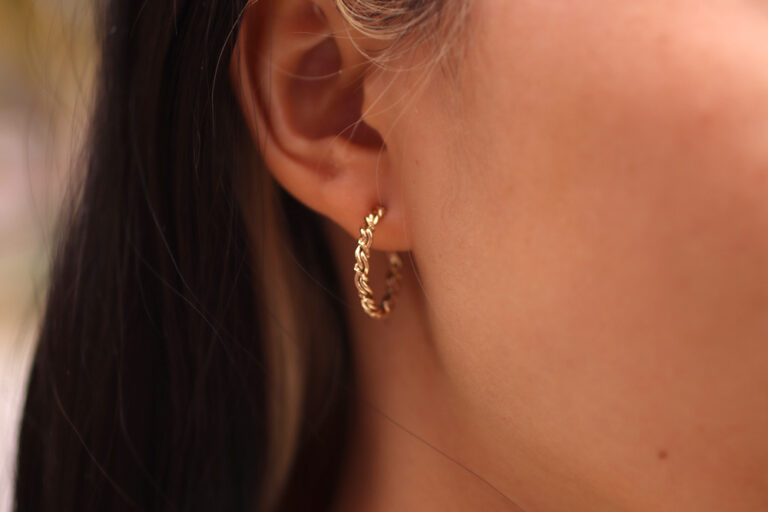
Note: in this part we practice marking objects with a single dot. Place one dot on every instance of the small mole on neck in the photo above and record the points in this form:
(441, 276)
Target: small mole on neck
(662, 454)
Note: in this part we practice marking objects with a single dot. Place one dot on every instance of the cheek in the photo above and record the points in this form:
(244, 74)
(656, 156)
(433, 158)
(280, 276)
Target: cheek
(622, 177)
(595, 243)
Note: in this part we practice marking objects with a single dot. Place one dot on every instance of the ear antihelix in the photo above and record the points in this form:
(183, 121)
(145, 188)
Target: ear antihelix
(325, 102)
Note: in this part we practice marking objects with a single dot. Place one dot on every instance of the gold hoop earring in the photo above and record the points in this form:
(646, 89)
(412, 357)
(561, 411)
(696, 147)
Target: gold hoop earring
(362, 257)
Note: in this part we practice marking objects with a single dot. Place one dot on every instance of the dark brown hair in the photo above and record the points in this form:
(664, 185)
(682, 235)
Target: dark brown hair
(178, 367)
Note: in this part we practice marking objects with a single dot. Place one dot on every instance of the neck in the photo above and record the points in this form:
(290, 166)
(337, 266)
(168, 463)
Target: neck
(408, 429)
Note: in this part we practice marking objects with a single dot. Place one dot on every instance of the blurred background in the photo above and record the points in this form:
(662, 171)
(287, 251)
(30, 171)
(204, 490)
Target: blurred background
(47, 60)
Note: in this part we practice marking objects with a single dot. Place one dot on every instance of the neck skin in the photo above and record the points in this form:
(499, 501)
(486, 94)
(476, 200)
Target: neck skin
(408, 430)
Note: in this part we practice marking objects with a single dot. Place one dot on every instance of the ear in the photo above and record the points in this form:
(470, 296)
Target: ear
(300, 79)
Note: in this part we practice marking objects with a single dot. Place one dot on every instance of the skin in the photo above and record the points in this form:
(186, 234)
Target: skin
(581, 205)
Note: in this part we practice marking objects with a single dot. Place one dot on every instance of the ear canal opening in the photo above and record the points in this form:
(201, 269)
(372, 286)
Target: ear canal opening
(325, 104)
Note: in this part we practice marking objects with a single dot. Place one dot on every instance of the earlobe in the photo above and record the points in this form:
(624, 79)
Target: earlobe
(300, 81)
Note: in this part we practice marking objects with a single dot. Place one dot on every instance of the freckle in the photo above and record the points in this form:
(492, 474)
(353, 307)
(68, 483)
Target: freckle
(662, 454)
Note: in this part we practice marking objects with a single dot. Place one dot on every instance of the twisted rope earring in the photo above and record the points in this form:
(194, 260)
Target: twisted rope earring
(362, 256)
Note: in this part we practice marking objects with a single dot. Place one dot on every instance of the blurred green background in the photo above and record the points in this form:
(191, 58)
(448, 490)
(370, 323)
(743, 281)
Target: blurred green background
(47, 59)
